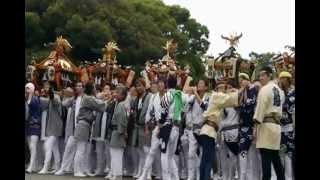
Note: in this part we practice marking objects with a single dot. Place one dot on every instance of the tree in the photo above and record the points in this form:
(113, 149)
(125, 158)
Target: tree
(140, 27)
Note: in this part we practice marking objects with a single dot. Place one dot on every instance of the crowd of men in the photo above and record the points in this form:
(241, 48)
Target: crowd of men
(234, 131)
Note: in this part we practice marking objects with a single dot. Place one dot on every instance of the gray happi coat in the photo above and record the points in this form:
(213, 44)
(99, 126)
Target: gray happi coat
(54, 124)
(86, 116)
(120, 120)
(101, 125)
(70, 104)
(137, 138)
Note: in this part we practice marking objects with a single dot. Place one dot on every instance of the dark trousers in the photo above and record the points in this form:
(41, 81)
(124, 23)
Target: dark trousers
(271, 156)
(208, 156)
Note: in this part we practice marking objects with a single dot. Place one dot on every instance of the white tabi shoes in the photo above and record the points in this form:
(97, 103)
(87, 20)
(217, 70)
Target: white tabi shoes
(80, 175)
(44, 171)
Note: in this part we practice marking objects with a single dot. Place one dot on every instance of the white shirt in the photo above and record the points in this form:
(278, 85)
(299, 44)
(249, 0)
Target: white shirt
(77, 108)
(154, 104)
(167, 102)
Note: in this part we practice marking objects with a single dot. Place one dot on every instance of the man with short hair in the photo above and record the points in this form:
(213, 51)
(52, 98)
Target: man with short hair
(287, 123)
(139, 109)
(152, 121)
(119, 134)
(72, 102)
(85, 117)
(247, 102)
(267, 118)
(219, 99)
(54, 128)
(172, 104)
(99, 133)
(197, 104)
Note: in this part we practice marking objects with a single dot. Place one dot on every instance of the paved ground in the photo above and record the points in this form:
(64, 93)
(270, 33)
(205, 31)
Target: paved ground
(52, 177)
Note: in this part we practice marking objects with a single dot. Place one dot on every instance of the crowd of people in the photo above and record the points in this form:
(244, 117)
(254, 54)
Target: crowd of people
(239, 131)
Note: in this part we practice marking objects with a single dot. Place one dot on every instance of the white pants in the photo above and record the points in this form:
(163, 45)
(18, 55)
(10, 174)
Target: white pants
(254, 164)
(108, 156)
(183, 157)
(152, 154)
(116, 161)
(192, 157)
(51, 146)
(131, 161)
(69, 154)
(168, 163)
(287, 164)
(142, 157)
(101, 156)
(229, 162)
(81, 157)
(32, 142)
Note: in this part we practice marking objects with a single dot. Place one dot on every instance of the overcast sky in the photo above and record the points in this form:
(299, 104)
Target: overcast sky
(267, 25)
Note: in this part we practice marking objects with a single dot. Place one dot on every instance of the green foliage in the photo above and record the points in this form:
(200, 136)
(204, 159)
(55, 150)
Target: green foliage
(140, 27)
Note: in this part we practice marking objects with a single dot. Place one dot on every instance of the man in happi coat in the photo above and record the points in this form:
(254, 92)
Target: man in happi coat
(197, 103)
(119, 134)
(267, 118)
(152, 121)
(85, 118)
(72, 102)
(139, 110)
(33, 124)
(208, 133)
(229, 140)
(100, 129)
(172, 105)
(110, 110)
(248, 101)
(53, 129)
(287, 123)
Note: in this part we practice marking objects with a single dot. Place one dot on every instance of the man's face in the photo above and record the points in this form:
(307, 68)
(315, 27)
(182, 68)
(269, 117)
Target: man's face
(161, 86)
(140, 88)
(154, 88)
(119, 96)
(243, 82)
(108, 95)
(133, 92)
(46, 88)
(284, 82)
(79, 88)
(201, 86)
(264, 78)
(221, 88)
(106, 88)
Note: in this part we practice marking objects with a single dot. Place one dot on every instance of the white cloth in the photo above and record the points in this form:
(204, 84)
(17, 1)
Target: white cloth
(142, 158)
(69, 154)
(156, 106)
(43, 125)
(107, 155)
(287, 164)
(151, 155)
(80, 166)
(51, 147)
(193, 158)
(167, 101)
(168, 163)
(32, 142)
(116, 155)
(101, 157)
(77, 108)
(229, 162)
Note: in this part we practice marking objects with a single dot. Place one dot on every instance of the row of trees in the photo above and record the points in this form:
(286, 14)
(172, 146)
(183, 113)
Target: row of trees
(140, 27)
